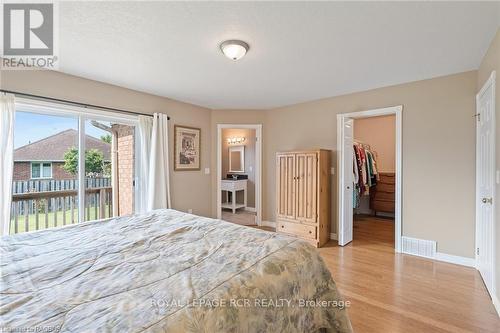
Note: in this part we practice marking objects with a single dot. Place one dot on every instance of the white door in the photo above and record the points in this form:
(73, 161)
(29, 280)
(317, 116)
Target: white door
(346, 181)
(485, 182)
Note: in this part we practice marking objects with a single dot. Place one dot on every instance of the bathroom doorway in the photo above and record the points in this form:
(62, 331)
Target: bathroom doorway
(239, 155)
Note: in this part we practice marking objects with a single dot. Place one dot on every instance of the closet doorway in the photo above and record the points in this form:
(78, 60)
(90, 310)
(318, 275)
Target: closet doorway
(369, 175)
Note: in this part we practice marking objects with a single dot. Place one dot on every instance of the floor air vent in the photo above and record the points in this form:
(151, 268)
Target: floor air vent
(419, 247)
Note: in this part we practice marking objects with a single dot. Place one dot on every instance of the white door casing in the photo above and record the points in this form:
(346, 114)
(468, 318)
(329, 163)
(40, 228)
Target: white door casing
(346, 173)
(345, 176)
(485, 183)
(258, 167)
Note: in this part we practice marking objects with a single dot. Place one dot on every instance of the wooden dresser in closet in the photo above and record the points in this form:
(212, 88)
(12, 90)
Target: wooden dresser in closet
(382, 196)
(303, 195)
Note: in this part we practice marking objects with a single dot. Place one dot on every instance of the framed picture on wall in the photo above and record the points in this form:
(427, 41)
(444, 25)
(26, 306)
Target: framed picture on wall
(187, 141)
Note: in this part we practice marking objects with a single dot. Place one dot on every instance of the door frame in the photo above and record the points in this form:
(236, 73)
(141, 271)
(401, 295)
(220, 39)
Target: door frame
(258, 166)
(491, 82)
(393, 110)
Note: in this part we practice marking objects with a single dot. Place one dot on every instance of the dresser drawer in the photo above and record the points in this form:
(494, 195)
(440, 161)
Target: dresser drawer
(383, 206)
(297, 229)
(387, 178)
(384, 196)
(384, 187)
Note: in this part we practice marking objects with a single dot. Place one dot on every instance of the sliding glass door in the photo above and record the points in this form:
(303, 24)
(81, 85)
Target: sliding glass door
(70, 166)
(44, 189)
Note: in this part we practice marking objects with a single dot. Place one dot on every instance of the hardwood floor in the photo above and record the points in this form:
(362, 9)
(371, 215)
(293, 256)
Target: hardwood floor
(241, 217)
(393, 293)
(401, 293)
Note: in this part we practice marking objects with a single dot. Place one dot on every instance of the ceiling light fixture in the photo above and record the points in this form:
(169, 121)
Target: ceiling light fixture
(233, 141)
(234, 49)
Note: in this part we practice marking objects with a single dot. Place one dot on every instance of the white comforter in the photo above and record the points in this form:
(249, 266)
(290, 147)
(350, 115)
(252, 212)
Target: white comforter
(165, 271)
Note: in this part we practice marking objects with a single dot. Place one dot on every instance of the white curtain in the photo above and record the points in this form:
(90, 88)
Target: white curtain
(145, 128)
(159, 174)
(154, 189)
(7, 112)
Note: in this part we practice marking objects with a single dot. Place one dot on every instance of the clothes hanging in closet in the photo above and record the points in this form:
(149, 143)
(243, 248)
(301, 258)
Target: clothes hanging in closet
(365, 172)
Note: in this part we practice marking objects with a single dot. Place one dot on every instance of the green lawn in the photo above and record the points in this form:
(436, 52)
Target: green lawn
(51, 220)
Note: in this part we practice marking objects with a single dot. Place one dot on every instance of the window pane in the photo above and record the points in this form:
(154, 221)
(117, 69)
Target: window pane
(35, 170)
(47, 170)
(53, 140)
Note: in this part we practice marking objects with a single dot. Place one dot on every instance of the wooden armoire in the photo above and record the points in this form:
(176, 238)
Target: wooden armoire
(303, 195)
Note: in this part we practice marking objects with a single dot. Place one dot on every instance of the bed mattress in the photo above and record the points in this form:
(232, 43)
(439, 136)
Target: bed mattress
(165, 271)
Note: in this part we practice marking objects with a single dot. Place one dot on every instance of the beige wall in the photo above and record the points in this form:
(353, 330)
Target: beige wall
(380, 134)
(491, 62)
(438, 152)
(438, 128)
(59, 85)
(249, 167)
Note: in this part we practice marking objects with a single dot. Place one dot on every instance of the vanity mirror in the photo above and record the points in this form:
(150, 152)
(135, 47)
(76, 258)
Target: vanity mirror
(237, 159)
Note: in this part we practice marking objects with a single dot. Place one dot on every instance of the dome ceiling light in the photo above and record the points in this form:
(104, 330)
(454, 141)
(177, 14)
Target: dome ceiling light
(234, 49)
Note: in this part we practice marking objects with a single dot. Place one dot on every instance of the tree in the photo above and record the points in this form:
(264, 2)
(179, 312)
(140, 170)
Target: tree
(71, 161)
(94, 162)
(106, 138)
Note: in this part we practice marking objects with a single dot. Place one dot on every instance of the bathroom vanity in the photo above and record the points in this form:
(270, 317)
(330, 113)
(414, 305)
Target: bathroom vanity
(233, 186)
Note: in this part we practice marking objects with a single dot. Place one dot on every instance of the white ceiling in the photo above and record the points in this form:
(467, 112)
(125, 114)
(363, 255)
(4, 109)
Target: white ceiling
(299, 51)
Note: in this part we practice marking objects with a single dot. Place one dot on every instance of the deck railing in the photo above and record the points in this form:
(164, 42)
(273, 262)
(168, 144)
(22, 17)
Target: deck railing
(43, 185)
(42, 210)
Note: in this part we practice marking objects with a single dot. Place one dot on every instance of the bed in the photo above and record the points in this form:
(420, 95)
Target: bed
(165, 271)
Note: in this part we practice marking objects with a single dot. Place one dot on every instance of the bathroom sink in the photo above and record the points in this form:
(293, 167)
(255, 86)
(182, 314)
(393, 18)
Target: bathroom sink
(238, 177)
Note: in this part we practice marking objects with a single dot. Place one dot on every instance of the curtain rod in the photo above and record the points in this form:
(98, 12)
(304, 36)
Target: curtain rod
(75, 103)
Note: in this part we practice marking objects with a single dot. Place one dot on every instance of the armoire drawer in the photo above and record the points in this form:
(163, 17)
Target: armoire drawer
(297, 229)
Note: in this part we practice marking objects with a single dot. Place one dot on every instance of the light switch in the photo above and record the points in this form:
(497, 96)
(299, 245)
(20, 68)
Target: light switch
(190, 211)
(207, 171)
(332, 171)
(250, 168)
(498, 176)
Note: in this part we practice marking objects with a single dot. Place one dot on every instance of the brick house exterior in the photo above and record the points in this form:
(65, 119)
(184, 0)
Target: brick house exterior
(126, 167)
(51, 150)
(22, 171)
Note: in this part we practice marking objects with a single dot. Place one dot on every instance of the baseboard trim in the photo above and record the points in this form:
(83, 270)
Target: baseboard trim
(251, 209)
(449, 258)
(496, 303)
(333, 236)
(271, 224)
(458, 260)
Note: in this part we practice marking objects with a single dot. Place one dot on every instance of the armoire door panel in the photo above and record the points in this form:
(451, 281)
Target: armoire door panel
(306, 179)
(290, 207)
(300, 186)
(280, 186)
(285, 186)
